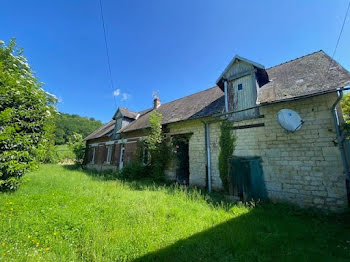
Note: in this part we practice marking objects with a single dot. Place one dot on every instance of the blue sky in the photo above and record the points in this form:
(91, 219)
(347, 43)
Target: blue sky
(174, 47)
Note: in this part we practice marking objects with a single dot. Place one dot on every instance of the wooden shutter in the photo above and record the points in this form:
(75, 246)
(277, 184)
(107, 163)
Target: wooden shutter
(130, 152)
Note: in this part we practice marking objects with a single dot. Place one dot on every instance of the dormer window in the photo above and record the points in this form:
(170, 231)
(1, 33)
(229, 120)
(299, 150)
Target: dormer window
(239, 72)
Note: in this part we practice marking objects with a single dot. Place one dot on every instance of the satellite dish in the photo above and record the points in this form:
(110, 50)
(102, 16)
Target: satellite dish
(289, 120)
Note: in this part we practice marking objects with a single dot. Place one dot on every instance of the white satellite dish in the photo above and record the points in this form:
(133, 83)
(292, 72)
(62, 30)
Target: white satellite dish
(289, 120)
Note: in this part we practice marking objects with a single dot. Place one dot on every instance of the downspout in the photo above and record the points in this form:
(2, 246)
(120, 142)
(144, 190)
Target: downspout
(340, 137)
(226, 96)
(207, 146)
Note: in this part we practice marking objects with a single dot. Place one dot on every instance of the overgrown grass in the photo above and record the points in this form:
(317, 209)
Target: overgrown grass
(60, 214)
(64, 154)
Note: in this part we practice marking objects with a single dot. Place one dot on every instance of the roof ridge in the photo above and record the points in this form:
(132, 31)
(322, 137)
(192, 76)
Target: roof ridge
(127, 109)
(99, 129)
(189, 95)
(150, 109)
(296, 59)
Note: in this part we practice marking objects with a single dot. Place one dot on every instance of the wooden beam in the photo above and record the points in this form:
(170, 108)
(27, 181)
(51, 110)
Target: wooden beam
(249, 126)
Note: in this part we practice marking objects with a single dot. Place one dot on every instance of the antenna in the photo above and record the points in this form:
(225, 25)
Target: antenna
(289, 120)
(155, 94)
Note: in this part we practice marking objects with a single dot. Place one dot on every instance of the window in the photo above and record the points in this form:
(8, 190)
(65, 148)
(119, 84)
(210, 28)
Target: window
(109, 154)
(240, 86)
(146, 156)
(93, 155)
(121, 159)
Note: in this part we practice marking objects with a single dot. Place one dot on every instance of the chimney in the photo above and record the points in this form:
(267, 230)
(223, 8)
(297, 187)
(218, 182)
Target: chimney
(156, 103)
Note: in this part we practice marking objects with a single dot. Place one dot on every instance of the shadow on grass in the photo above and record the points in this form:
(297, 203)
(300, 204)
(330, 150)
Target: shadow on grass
(270, 232)
(266, 233)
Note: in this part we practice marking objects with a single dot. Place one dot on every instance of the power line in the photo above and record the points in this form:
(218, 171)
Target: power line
(338, 40)
(107, 52)
(341, 30)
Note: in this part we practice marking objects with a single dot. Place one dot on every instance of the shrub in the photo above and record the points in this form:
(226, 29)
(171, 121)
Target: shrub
(77, 145)
(158, 146)
(227, 146)
(135, 170)
(26, 117)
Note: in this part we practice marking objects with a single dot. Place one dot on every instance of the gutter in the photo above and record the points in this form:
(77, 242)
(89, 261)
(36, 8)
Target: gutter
(284, 100)
(340, 136)
(226, 96)
(207, 146)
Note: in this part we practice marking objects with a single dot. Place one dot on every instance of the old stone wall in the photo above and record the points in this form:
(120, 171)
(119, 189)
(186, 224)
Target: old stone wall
(303, 167)
(197, 155)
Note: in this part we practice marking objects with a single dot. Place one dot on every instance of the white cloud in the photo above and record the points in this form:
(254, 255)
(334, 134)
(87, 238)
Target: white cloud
(125, 96)
(116, 92)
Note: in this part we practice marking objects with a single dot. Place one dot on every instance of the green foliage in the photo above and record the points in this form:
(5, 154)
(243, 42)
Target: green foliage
(155, 137)
(227, 146)
(345, 104)
(26, 118)
(77, 145)
(158, 146)
(135, 170)
(65, 214)
(64, 154)
(67, 125)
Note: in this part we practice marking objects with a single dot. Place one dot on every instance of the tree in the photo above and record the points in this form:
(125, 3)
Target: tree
(345, 104)
(77, 145)
(67, 125)
(155, 137)
(159, 149)
(26, 117)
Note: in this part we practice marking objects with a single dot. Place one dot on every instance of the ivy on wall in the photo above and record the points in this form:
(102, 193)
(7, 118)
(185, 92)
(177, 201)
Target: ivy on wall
(227, 147)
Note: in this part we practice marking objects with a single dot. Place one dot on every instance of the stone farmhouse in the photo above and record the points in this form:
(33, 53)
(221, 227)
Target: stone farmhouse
(308, 167)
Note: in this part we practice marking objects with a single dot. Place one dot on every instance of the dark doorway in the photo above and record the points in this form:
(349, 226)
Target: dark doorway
(246, 178)
(182, 157)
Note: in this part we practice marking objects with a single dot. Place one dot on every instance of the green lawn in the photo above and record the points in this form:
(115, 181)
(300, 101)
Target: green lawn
(62, 214)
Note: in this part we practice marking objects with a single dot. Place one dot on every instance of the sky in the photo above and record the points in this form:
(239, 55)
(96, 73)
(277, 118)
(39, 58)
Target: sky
(174, 48)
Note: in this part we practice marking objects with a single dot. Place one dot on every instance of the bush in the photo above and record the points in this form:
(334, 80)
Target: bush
(135, 170)
(159, 148)
(26, 118)
(64, 154)
(51, 156)
(77, 145)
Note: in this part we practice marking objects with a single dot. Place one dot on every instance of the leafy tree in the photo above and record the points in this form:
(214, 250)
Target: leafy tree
(67, 125)
(77, 145)
(157, 146)
(227, 146)
(26, 117)
(155, 137)
(345, 104)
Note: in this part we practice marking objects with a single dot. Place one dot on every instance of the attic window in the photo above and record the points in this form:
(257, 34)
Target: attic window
(240, 86)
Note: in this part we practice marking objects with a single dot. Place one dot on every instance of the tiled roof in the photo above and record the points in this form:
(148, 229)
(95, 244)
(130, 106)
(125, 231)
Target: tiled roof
(105, 130)
(201, 104)
(306, 75)
(127, 113)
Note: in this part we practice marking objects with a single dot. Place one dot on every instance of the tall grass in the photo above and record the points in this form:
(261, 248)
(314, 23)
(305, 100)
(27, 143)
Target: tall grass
(61, 214)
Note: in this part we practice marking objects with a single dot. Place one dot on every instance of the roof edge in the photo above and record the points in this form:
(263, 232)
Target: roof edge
(237, 57)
